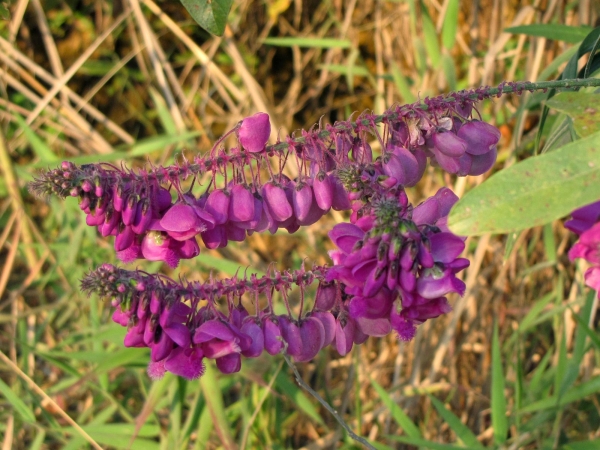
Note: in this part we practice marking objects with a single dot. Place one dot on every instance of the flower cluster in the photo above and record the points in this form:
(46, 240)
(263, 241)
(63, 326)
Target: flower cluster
(155, 223)
(397, 263)
(586, 224)
(394, 265)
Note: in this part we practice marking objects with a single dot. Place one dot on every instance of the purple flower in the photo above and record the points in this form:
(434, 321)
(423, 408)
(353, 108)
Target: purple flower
(254, 132)
(183, 221)
(584, 218)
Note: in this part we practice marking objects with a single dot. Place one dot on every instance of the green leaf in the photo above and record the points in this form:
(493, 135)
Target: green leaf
(431, 38)
(209, 14)
(556, 32)
(450, 24)
(499, 420)
(525, 194)
(574, 394)
(460, 429)
(308, 42)
(399, 416)
(19, 405)
(582, 107)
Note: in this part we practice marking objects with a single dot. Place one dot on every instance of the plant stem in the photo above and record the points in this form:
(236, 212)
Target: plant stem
(327, 406)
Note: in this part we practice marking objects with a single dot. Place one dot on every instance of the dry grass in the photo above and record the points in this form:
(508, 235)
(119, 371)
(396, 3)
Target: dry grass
(107, 75)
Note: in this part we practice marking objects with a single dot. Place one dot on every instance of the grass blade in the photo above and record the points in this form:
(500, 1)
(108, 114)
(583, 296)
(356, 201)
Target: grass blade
(499, 420)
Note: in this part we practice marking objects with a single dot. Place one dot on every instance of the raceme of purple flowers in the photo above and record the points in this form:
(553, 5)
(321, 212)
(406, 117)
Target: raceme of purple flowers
(393, 266)
(585, 223)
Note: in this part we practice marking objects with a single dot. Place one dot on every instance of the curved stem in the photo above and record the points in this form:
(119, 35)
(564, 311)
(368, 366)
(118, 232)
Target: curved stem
(327, 406)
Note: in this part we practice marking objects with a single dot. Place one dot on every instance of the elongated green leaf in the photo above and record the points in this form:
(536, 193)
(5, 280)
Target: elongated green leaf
(450, 24)
(209, 14)
(499, 420)
(308, 42)
(399, 416)
(431, 38)
(460, 429)
(554, 31)
(574, 394)
(582, 107)
(527, 194)
(19, 405)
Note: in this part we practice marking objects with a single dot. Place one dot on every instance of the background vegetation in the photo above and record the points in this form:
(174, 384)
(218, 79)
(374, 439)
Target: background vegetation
(515, 363)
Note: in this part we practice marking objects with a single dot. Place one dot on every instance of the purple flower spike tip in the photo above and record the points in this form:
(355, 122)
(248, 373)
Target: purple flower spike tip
(254, 132)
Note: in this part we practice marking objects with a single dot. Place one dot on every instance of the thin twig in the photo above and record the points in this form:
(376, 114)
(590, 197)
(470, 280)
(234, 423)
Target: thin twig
(327, 406)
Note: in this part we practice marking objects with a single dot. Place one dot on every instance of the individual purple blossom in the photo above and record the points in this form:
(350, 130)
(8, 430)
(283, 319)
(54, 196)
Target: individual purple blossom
(254, 132)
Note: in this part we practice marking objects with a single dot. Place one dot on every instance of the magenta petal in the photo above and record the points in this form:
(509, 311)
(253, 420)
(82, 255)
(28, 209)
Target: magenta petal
(215, 238)
(449, 144)
(406, 329)
(156, 370)
(323, 189)
(374, 282)
(344, 336)
(325, 296)
(272, 335)
(433, 286)
(393, 167)
(231, 363)
(371, 307)
(254, 132)
(256, 335)
(328, 322)
(291, 334)
(180, 217)
(217, 205)
(186, 363)
(479, 136)
(276, 198)
(374, 327)
(445, 247)
(217, 348)
(130, 253)
(312, 334)
(345, 236)
(241, 204)
(179, 333)
(483, 163)
(302, 200)
(188, 249)
(340, 200)
(121, 317)
(162, 348)
(212, 329)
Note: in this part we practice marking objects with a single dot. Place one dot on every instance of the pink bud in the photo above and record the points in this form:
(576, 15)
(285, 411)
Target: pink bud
(254, 132)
